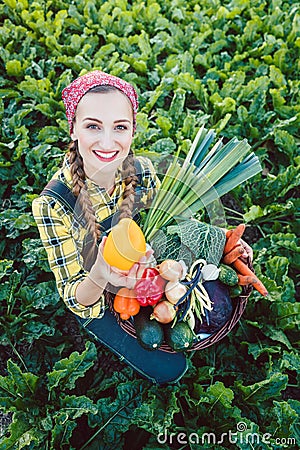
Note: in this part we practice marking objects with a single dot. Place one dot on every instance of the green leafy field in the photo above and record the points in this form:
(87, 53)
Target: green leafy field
(233, 65)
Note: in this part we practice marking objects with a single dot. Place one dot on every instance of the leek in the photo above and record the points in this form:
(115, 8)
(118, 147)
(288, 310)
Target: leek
(204, 176)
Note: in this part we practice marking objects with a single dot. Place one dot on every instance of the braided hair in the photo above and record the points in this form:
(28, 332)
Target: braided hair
(79, 181)
(80, 191)
(130, 179)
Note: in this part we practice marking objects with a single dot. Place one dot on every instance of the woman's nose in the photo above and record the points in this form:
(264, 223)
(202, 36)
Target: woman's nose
(106, 140)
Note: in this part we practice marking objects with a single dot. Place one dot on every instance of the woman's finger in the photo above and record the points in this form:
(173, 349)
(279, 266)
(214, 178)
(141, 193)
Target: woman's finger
(248, 252)
(119, 271)
(149, 253)
(102, 243)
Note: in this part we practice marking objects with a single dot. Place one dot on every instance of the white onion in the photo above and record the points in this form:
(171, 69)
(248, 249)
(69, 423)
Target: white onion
(174, 291)
(163, 312)
(170, 270)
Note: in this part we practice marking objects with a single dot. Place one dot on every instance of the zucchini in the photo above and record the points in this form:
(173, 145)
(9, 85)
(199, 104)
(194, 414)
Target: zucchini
(179, 337)
(228, 275)
(149, 333)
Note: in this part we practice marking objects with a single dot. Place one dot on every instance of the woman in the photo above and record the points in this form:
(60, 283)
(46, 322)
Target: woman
(104, 177)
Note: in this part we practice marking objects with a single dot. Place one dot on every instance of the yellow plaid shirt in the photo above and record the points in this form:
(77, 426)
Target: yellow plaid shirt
(63, 236)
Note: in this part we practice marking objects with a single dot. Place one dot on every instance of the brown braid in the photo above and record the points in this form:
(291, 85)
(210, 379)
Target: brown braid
(80, 191)
(131, 180)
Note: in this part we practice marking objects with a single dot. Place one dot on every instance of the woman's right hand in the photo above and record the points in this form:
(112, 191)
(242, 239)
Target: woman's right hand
(102, 273)
(91, 288)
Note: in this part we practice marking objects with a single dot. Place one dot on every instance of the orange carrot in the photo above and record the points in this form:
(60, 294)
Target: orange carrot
(234, 254)
(234, 237)
(244, 280)
(229, 233)
(258, 285)
(243, 269)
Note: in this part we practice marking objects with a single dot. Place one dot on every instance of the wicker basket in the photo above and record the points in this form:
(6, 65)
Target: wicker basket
(238, 309)
(238, 304)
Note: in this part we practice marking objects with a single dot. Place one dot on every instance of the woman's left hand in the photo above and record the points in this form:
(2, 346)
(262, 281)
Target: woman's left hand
(235, 247)
(248, 252)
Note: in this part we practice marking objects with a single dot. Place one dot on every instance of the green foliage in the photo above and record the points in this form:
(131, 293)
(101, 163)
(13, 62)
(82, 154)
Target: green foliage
(45, 411)
(233, 66)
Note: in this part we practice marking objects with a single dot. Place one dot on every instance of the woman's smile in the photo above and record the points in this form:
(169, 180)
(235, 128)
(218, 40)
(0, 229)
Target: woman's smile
(105, 156)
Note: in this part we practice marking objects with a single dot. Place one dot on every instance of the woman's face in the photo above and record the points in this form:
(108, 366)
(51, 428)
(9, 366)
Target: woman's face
(103, 128)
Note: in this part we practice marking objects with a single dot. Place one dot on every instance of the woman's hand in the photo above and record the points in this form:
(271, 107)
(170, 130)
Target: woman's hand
(102, 273)
(248, 252)
(136, 271)
(235, 247)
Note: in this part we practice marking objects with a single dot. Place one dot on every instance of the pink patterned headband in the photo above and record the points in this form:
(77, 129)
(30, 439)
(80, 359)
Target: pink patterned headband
(79, 87)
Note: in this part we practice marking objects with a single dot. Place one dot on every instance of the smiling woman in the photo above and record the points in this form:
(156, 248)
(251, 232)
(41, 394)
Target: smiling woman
(98, 183)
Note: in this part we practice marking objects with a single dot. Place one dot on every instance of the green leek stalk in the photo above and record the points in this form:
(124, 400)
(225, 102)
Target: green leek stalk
(205, 175)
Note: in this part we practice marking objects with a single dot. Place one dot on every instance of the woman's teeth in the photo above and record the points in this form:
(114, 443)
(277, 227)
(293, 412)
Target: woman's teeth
(106, 155)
